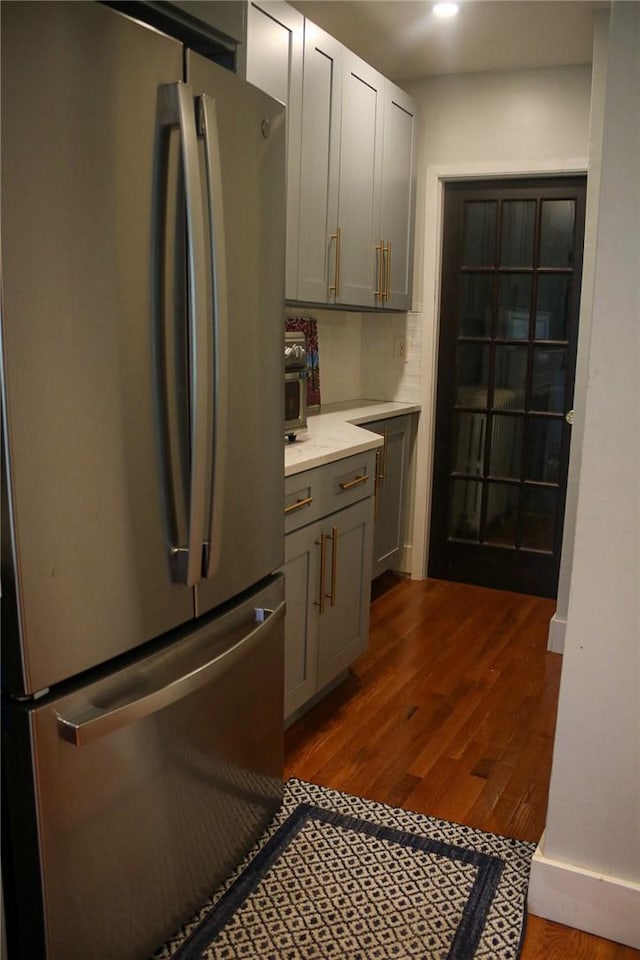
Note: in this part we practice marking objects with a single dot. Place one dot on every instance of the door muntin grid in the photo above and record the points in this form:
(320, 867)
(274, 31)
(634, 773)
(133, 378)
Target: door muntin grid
(511, 358)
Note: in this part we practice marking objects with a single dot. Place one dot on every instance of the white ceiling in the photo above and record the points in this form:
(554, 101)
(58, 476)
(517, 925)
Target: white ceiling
(404, 40)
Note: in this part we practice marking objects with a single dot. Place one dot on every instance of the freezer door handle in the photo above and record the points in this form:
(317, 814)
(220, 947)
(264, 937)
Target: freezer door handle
(208, 133)
(176, 109)
(155, 688)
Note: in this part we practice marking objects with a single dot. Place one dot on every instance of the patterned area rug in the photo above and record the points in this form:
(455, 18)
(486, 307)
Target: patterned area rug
(336, 876)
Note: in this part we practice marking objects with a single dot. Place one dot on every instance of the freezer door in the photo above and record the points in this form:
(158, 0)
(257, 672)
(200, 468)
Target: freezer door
(152, 784)
(86, 539)
(242, 147)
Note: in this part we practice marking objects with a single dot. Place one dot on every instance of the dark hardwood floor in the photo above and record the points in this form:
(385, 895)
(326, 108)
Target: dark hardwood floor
(451, 712)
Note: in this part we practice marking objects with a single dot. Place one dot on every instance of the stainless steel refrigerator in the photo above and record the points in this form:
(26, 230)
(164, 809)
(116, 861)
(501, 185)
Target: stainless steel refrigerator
(142, 478)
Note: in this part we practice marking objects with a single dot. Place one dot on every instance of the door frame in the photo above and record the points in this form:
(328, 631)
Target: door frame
(427, 303)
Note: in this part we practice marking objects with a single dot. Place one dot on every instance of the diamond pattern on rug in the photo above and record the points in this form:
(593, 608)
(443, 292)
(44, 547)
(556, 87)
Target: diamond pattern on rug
(348, 892)
(339, 876)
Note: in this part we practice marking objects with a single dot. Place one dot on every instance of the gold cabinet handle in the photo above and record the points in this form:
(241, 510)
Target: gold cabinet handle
(387, 282)
(381, 460)
(379, 294)
(376, 484)
(383, 278)
(335, 286)
(334, 564)
(349, 484)
(298, 504)
(321, 543)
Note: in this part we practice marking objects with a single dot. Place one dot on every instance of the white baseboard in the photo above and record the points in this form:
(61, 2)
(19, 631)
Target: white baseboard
(406, 558)
(602, 905)
(403, 563)
(557, 630)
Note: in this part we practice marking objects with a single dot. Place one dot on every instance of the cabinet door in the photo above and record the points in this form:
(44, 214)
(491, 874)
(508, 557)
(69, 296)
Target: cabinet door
(390, 496)
(301, 570)
(398, 196)
(275, 34)
(359, 206)
(319, 166)
(344, 620)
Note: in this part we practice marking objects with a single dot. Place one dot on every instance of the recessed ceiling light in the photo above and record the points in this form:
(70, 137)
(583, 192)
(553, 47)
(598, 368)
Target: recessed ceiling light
(445, 10)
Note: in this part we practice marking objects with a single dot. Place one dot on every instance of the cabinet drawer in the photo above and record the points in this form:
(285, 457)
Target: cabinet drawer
(349, 480)
(302, 499)
(315, 493)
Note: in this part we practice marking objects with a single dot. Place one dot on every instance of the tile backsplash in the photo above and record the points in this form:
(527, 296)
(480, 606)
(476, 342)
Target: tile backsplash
(360, 354)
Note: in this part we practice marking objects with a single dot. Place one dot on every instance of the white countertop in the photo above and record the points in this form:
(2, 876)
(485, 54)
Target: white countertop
(333, 433)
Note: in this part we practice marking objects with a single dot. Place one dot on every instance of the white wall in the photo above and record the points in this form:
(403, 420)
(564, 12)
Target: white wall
(500, 119)
(529, 122)
(558, 624)
(586, 872)
(385, 376)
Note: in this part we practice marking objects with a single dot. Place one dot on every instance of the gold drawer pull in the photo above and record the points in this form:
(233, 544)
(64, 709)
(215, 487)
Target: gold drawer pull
(348, 484)
(298, 504)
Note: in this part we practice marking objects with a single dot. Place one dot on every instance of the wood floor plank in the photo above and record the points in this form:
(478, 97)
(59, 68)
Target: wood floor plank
(451, 712)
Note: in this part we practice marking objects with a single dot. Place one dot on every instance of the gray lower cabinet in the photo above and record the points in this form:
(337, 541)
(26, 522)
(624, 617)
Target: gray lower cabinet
(328, 573)
(392, 461)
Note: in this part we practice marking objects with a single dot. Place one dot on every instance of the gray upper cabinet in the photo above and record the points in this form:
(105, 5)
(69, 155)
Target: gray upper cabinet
(351, 163)
(398, 197)
(359, 205)
(274, 57)
(320, 166)
(357, 181)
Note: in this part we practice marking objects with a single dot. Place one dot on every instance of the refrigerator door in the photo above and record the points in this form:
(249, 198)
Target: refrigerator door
(242, 146)
(152, 784)
(86, 536)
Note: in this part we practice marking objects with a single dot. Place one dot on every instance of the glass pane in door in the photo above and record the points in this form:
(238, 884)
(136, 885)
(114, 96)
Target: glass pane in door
(476, 305)
(469, 438)
(518, 218)
(472, 374)
(553, 306)
(464, 514)
(502, 514)
(480, 234)
(510, 378)
(514, 301)
(549, 371)
(557, 223)
(506, 446)
(543, 450)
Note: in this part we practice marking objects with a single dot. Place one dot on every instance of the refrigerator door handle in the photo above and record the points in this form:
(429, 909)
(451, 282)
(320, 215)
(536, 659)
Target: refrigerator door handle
(155, 693)
(176, 109)
(208, 131)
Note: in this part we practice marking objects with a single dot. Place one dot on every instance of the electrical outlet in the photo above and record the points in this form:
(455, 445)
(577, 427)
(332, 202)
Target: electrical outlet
(400, 348)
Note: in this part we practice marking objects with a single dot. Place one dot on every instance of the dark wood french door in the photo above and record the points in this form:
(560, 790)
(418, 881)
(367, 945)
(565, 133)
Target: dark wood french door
(512, 265)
